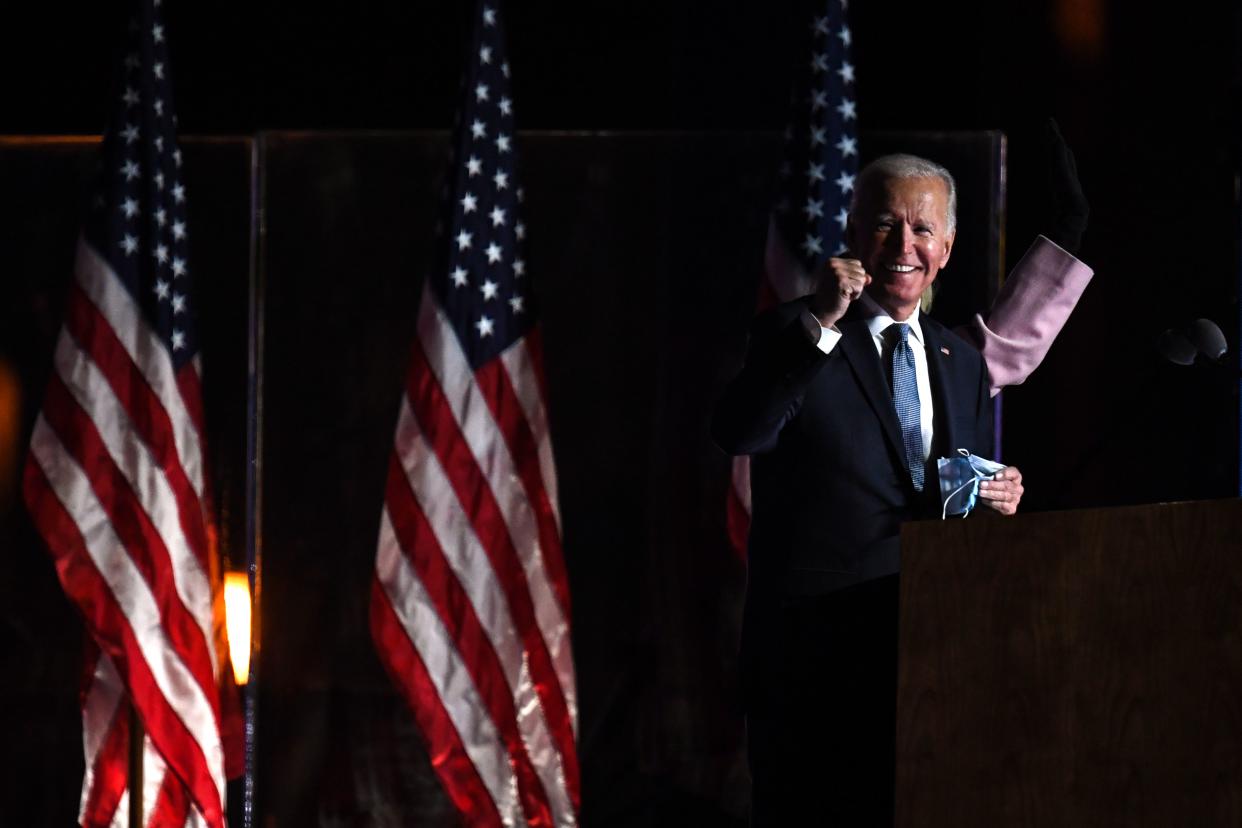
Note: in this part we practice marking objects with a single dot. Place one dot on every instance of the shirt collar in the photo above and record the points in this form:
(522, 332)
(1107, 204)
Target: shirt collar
(879, 321)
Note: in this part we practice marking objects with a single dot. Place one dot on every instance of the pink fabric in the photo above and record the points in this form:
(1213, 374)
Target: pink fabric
(1028, 313)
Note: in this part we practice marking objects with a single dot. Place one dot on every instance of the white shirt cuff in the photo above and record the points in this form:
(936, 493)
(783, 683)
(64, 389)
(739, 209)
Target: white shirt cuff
(828, 337)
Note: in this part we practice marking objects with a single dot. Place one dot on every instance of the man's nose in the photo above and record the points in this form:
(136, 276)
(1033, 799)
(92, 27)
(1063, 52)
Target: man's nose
(901, 238)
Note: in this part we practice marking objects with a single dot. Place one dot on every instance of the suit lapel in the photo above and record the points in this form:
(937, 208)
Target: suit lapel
(939, 360)
(859, 350)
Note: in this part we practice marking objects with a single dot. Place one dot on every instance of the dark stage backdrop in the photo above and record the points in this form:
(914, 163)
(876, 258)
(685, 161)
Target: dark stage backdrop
(646, 250)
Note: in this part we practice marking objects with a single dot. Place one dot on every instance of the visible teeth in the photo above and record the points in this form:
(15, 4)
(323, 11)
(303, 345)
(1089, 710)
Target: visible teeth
(900, 268)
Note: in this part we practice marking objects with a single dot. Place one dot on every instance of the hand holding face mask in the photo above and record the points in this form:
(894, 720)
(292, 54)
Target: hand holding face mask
(968, 480)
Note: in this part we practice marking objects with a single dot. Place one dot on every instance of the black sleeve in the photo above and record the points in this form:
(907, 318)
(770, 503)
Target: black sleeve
(781, 361)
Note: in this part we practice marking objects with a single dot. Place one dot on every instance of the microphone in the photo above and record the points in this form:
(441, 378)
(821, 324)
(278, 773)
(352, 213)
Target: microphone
(1182, 346)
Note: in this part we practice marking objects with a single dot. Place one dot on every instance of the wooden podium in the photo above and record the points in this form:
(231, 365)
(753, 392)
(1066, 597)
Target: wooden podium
(1078, 668)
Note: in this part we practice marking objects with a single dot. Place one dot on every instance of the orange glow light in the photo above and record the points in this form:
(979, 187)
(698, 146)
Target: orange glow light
(237, 619)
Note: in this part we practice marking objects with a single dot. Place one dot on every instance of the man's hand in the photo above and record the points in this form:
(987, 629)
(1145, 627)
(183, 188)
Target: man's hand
(1067, 205)
(1003, 491)
(841, 284)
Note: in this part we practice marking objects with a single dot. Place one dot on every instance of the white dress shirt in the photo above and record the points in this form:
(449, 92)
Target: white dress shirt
(878, 321)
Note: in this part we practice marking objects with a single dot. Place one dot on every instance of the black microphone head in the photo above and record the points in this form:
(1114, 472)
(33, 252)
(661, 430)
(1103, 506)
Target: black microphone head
(1175, 347)
(1207, 338)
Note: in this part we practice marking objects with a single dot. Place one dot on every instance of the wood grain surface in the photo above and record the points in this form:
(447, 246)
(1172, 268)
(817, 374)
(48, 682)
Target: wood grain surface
(1078, 668)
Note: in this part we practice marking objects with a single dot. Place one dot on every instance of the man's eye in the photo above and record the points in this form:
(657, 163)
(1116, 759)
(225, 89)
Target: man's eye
(923, 231)
(884, 225)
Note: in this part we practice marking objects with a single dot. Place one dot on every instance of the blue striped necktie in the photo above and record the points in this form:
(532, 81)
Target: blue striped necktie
(906, 401)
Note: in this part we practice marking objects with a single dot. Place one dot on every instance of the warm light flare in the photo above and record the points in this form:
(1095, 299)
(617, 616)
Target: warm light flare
(237, 619)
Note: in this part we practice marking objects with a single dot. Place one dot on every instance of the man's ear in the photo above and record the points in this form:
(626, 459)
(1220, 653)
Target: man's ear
(948, 248)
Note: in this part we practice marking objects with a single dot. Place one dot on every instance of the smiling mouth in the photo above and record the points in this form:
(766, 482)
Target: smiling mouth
(899, 268)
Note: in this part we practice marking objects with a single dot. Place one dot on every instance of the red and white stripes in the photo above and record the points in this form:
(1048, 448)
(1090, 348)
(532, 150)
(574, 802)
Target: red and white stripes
(114, 483)
(470, 606)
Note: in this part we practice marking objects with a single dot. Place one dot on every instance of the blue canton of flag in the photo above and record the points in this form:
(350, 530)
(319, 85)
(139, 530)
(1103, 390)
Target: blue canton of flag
(138, 220)
(482, 283)
(821, 147)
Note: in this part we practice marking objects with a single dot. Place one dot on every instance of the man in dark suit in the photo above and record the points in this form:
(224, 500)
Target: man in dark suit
(846, 400)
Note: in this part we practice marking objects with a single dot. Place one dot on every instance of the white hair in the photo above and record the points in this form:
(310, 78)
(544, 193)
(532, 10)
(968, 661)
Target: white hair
(901, 165)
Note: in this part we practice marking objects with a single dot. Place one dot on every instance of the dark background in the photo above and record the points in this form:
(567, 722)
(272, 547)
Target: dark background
(1148, 99)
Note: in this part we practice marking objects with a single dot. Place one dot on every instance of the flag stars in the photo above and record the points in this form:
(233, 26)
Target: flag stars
(497, 216)
(489, 289)
(519, 230)
(473, 166)
(493, 253)
(159, 143)
(458, 275)
(846, 108)
(178, 230)
(463, 240)
(485, 54)
(843, 216)
(847, 145)
(819, 135)
(177, 157)
(519, 267)
(161, 217)
(131, 61)
(469, 203)
(485, 326)
(130, 97)
(129, 244)
(845, 181)
(813, 209)
(481, 92)
(506, 106)
(844, 34)
(130, 170)
(502, 180)
(477, 129)
(160, 253)
(178, 192)
(178, 266)
(178, 303)
(159, 181)
(504, 69)
(815, 172)
(502, 143)
(158, 69)
(819, 100)
(157, 33)
(813, 246)
(162, 289)
(489, 16)
(820, 26)
(178, 339)
(158, 106)
(130, 133)
(518, 304)
(129, 207)
(846, 72)
(819, 62)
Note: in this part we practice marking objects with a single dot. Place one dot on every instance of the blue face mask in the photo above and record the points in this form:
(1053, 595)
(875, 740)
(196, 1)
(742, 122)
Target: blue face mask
(959, 481)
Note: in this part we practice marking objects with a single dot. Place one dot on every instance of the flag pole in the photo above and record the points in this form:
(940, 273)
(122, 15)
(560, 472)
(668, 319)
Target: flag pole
(135, 765)
(254, 472)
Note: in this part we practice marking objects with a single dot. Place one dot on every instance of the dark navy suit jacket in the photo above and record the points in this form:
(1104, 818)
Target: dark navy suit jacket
(829, 484)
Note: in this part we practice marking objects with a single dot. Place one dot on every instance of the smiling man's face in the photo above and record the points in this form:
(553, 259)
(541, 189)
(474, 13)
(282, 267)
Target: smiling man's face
(900, 232)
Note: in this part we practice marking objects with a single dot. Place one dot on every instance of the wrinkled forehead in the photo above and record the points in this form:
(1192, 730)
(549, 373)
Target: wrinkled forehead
(925, 196)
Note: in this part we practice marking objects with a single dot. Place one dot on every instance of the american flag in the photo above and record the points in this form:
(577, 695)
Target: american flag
(816, 181)
(115, 480)
(470, 603)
